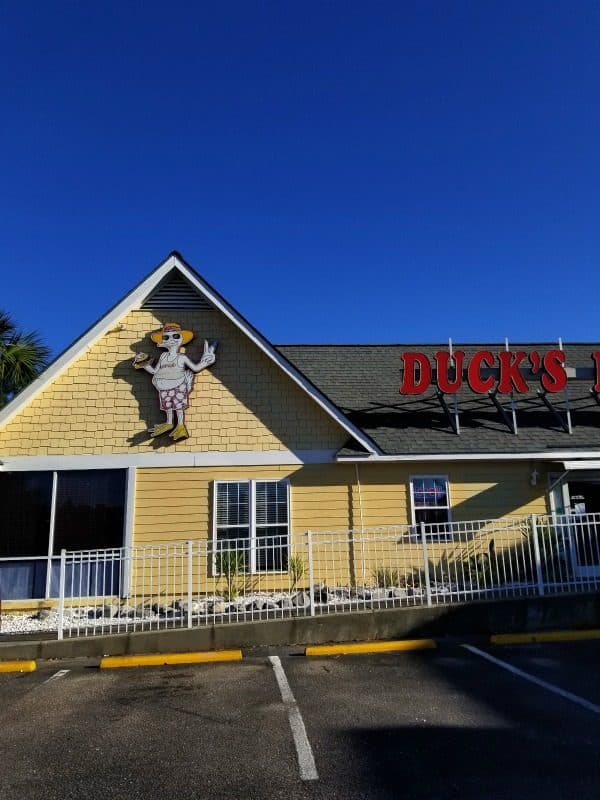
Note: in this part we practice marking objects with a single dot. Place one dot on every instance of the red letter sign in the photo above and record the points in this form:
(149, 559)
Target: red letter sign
(510, 374)
(443, 381)
(410, 384)
(596, 357)
(476, 382)
(555, 377)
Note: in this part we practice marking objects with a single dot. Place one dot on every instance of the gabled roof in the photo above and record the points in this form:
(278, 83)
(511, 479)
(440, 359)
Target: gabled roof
(363, 381)
(136, 298)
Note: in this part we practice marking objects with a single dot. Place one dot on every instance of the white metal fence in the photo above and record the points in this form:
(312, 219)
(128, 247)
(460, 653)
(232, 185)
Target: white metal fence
(196, 583)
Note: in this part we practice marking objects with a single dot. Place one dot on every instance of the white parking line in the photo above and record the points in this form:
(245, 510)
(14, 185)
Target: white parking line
(306, 761)
(60, 674)
(581, 701)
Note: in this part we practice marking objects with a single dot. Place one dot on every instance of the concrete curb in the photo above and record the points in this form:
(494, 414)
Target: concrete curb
(163, 659)
(544, 636)
(18, 666)
(356, 648)
(459, 620)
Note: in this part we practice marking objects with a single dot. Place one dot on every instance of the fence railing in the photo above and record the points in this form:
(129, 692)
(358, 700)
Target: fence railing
(200, 582)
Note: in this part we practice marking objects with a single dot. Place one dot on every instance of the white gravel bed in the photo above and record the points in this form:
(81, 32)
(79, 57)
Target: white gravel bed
(114, 617)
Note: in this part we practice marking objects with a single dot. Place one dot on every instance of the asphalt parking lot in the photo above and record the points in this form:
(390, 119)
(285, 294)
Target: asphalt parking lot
(446, 723)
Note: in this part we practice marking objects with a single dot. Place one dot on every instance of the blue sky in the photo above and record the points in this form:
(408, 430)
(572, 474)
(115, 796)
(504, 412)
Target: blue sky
(341, 172)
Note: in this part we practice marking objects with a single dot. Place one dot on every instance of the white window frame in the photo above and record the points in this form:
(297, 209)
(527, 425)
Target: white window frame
(252, 570)
(447, 507)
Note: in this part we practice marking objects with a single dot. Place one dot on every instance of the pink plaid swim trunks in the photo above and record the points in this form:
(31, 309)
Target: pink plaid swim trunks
(174, 399)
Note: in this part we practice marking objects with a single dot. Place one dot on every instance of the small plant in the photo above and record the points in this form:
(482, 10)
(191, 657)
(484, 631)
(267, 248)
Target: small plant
(386, 577)
(482, 569)
(230, 564)
(296, 569)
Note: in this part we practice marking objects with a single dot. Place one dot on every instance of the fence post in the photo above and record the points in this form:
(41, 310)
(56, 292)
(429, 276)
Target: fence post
(190, 576)
(61, 592)
(426, 564)
(536, 551)
(311, 577)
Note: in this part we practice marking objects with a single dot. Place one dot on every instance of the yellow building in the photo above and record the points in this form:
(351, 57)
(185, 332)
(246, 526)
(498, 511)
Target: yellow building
(241, 439)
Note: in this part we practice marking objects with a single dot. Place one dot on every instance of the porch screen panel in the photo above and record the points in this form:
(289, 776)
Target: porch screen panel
(25, 503)
(90, 510)
(25, 499)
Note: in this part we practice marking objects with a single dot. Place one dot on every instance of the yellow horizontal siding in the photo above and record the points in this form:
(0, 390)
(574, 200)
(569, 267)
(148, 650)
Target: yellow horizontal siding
(327, 498)
(174, 503)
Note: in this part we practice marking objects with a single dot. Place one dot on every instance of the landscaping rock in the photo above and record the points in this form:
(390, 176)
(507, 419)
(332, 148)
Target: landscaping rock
(42, 614)
(340, 593)
(301, 600)
(171, 613)
(379, 594)
(197, 607)
(320, 593)
(218, 607)
(285, 602)
(126, 612)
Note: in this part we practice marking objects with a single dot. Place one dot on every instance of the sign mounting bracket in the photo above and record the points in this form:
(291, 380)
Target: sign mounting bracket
(564, 424)
(511, 424)
(452, 417)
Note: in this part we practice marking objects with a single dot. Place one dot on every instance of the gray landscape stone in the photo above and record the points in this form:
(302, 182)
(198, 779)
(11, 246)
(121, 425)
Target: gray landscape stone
(42, 614)
(126, 611)
(301, 600)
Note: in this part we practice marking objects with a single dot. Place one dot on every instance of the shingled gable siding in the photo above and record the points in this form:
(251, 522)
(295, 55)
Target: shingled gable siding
(101, 405)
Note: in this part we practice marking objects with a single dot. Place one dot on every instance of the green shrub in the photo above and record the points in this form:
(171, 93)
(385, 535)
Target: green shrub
(230, 564)
(386, 577)
(296, 569)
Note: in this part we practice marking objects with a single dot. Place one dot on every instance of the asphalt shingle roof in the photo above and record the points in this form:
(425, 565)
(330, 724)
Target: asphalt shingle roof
(363, 381)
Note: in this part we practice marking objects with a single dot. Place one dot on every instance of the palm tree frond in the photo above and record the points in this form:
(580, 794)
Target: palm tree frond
(22, 357)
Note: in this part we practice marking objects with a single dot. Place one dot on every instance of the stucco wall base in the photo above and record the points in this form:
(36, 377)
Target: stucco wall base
(468, 620)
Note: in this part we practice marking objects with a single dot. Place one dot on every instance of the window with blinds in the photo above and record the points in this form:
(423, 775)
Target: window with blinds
(252, 517)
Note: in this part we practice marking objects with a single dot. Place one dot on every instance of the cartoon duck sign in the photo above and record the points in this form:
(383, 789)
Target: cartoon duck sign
(173, 376)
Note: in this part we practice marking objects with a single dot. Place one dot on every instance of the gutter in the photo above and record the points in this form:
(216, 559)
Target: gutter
(560, 455)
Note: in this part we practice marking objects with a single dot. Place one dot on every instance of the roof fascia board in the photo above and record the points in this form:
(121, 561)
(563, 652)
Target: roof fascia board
(246, 458)
(544, 456)
(580, 464)
(267, 348)
(89, 338)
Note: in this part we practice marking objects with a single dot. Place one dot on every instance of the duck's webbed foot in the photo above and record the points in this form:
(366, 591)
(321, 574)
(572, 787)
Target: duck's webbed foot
(180, 432)
(157, 430)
